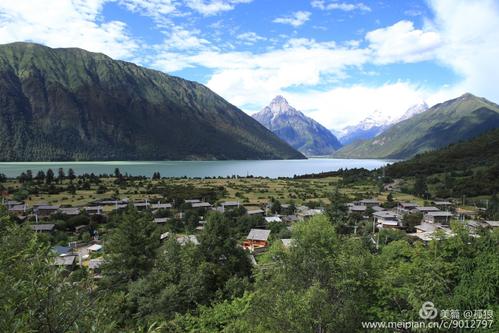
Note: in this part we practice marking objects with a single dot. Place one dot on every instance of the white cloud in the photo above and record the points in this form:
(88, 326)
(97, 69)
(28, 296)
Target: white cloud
(344, 6)
(339, 107)
(153, 8)
(469, 31)
(182, 39)
(213, 7)
(401, 42)
(65, 23)
(250, 37)
(296, 19)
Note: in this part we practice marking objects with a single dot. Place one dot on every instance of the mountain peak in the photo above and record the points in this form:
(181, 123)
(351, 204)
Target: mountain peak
(279, 104)
(301, 132)
(467, 95)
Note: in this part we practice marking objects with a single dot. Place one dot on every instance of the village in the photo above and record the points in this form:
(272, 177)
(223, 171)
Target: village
(75, 228)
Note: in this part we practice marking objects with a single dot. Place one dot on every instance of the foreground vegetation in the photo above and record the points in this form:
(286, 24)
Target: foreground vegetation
(331, 279)
(325, 282)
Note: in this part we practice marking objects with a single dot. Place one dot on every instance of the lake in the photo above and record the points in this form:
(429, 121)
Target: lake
(264, 168)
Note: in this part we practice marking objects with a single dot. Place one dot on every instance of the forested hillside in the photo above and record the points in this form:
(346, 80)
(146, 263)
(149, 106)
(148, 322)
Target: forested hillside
(70, 104)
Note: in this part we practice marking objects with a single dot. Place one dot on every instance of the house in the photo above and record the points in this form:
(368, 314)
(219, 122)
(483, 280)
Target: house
(141, 205)
(255, 212)
(93, 210)
(229, 205)
(10, 203)
(427, 232)
(94, 248)
(161, 206)
(386, 219)
(287, 242)
(443, 205)
(425, 210)
(187, 239)
(426, 227)
(378, 208)
(43, 227)
(368, 202)
(191, 201)
(119, 206)
(70, 211)
(492, 224)
(464, 214)
(270, 219)
(357, 209)
(46, 210)
(200, 205)
(62, 250)
(438, 217)
(290, 218)
(18, 210)
(408, 205)
(474, 226)
(68, 261)
(95, 264)
(305, 215)
(161, 220)
(256, 239)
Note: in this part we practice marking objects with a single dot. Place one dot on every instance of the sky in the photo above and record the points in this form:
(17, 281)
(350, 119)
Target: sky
(338, 61)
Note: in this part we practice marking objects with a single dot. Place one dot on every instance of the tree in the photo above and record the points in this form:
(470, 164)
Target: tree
(40, 176)
(130, 249)
(420, 187)
(60, 175)
(321, 283)
(178, 282)
(29, 175)
(219, 248)
(276, 207)
(71, 174)
(338, 211)
(411, 220)
(49, 178)
(35, 295)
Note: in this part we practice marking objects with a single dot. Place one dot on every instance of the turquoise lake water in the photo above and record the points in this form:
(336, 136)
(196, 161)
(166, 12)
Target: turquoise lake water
(264, 168)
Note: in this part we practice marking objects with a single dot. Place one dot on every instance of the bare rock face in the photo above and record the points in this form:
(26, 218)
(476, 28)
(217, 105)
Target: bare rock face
(301, 132)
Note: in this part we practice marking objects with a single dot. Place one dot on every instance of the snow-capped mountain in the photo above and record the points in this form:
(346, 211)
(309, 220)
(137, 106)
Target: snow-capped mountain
(301, 132)
(412, 111)
(375, 124)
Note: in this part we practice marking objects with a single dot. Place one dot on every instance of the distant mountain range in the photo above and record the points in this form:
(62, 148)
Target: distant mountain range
(301, 132)
(71, 104)
(458, 119)
(375, 124)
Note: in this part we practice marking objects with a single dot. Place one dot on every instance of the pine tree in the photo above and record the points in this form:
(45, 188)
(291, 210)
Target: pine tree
(130, 249)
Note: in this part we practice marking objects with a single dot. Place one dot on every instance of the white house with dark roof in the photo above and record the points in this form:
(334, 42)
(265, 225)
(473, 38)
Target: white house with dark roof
(386, 219)
(438, 217)
(200, 205)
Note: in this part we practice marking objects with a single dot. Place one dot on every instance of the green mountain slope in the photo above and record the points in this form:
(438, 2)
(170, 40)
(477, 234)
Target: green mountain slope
(465, 168)
(455, 120)
(300, 131)
(70, 104)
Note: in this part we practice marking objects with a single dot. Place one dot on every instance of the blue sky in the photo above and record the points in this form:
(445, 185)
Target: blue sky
(337, 60)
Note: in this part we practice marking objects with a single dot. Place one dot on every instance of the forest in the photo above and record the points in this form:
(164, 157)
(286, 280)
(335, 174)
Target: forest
(328, 280)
